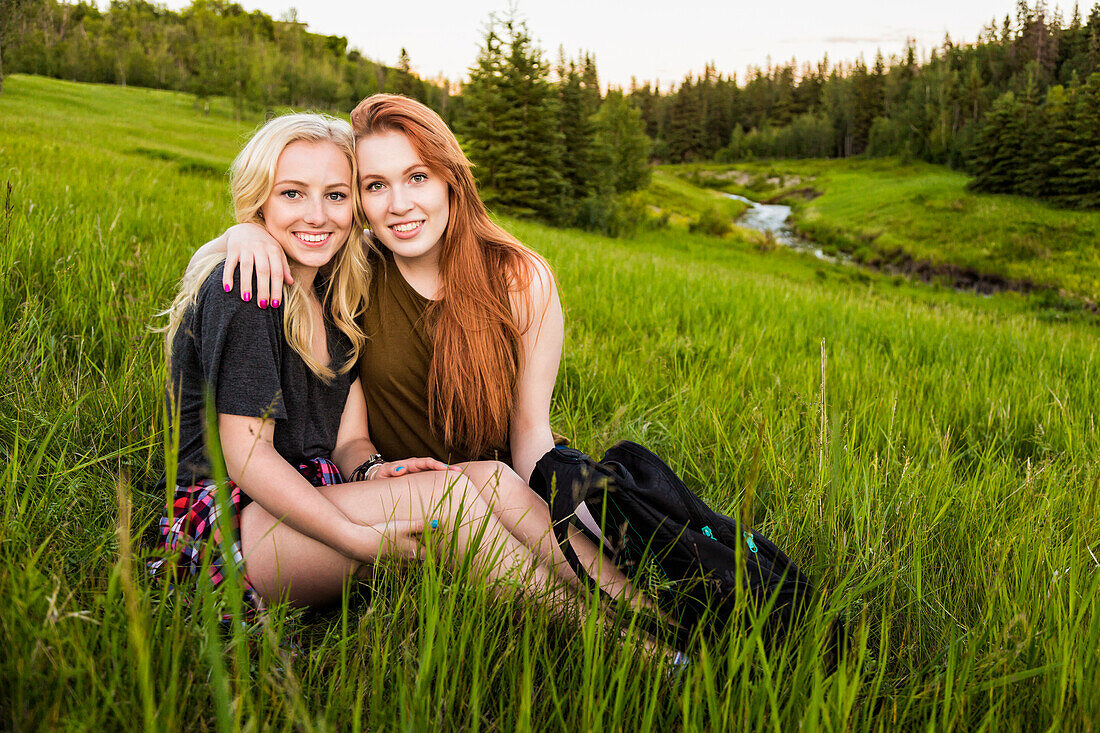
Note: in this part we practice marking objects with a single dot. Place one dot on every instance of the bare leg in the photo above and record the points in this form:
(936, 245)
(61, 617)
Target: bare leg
(527, 517)
(283, 563)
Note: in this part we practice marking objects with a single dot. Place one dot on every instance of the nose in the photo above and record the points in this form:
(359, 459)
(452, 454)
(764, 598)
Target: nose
(400, 203)
(315, 212)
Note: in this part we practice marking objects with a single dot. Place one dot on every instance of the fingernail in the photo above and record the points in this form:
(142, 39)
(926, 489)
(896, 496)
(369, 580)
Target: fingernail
(399, 468)
(246, 297)
(263, 302)
(227, 287)
(274, 304)
(435, 523)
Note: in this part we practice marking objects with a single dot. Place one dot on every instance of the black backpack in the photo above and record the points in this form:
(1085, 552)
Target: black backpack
(651, 522)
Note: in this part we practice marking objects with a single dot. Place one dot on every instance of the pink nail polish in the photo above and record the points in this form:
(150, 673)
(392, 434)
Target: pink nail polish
(263, 302)
(246, 297)
(274, 304)
(228, 287)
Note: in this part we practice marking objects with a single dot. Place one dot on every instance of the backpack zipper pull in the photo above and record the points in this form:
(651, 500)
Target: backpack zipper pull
(749, 541)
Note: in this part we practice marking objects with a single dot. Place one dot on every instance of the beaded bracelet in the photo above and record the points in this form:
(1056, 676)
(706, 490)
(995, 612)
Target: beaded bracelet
(361, 473)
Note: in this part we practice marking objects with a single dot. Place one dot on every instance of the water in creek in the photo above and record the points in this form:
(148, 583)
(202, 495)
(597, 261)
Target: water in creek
(773, 218)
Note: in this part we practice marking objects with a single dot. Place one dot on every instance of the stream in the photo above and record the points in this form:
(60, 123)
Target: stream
(772, 218)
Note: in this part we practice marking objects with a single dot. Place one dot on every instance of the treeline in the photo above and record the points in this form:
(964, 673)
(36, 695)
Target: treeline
(938, 109)
(211, 48)
(547, 142)
(1043, 147)
(1017, 108)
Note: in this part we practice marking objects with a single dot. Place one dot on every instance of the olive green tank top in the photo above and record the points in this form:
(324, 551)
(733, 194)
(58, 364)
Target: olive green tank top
(393, 370)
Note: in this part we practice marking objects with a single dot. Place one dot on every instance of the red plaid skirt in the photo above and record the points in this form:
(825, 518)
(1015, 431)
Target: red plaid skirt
(190, 536)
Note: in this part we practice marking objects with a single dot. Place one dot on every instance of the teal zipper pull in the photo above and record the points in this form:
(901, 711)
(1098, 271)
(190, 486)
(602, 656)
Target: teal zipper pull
(749, 541)
(707, 531)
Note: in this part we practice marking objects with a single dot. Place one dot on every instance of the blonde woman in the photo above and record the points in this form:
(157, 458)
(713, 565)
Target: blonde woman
(291, 417)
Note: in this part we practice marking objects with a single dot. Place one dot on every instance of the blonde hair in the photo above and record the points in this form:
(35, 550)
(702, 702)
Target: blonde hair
(346, 275)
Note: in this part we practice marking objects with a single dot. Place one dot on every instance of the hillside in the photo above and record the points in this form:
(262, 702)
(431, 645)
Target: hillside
(928, 457)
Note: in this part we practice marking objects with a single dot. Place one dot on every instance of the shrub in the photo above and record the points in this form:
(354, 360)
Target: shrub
(712, 222)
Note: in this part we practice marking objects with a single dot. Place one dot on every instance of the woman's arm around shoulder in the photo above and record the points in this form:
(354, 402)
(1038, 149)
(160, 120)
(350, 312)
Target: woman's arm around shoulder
(251, 248)
(542, 330)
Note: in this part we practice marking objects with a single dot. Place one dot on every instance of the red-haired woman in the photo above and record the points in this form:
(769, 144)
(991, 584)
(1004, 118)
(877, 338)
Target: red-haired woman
(463, 323)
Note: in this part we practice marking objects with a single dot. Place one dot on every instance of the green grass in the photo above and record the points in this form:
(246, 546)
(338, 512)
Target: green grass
(928, 457)
(681, 203)
(876, 208)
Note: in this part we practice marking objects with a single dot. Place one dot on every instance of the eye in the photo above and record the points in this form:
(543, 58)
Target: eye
(336, 196)
(292, 194)
(373, 186)
(418, 177)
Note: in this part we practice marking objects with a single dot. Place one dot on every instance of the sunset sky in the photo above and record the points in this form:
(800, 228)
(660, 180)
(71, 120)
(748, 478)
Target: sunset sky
(649, 39)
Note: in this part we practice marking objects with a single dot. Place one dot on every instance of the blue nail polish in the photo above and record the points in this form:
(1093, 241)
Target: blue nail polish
(435, 523)
(399, 468)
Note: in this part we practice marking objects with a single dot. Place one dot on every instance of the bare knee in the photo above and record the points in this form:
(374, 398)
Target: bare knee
(499, 485)
(463, 499)
(489, 473)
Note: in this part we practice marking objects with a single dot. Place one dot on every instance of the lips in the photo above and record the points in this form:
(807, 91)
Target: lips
(406, 229)
(313, 239)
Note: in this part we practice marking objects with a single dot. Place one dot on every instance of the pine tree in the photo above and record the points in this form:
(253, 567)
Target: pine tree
(995, 156)
(575, 109)
(512, 123)
(686, 123)
(622, 146)
(1060, 152)
(403, 80)
(1087, 138)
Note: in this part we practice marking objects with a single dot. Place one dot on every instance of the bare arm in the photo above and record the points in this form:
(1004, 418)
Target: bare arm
(253, 249)
(540, 354)
(263, 474)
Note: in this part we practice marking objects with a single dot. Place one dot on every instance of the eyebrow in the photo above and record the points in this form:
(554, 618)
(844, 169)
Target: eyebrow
(303, 184)
(405, 172)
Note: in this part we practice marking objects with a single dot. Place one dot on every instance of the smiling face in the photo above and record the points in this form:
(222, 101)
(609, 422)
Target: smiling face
(310, 208)
(404, 200)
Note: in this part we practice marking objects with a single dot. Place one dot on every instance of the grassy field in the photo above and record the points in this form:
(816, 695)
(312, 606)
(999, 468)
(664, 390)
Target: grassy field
(878, 209)
(928, 457)
(680, 204)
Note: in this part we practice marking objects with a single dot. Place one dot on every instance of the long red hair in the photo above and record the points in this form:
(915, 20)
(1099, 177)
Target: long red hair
(476, 339)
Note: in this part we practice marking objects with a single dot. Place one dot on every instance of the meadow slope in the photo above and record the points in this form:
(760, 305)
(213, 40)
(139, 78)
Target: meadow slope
(891, 212)
(928, 457)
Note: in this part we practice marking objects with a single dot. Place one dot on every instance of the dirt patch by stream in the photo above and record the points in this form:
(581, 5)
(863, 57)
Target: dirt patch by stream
(900, 262)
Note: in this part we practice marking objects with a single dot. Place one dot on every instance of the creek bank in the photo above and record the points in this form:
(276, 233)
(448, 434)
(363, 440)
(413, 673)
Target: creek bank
(773, 219)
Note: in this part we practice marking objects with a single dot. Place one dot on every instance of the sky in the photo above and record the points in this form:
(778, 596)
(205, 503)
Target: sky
(653, 40)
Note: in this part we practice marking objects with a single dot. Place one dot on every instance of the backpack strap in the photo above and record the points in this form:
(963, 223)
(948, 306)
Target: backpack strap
(568, 484)
(564, 501)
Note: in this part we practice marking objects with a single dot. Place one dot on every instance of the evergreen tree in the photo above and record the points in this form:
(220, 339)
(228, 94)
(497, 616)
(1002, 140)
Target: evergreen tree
(575, 110)
(512, 124)
(686, 123)
(14, 21)
(1087, 139)
(1068, 157)
(996, 155)
(402, 79)
(622, 148)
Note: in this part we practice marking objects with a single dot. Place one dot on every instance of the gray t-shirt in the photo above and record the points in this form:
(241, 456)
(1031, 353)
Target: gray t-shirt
(239, 353)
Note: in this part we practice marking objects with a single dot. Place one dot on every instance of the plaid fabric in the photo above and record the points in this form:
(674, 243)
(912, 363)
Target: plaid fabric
(191, 531)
